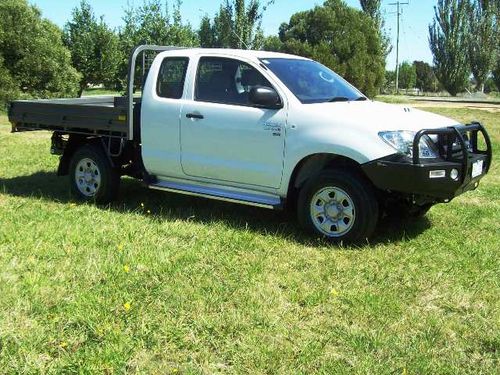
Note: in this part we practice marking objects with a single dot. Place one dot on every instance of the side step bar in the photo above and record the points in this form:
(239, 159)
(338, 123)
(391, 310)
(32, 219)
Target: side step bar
(249, 199)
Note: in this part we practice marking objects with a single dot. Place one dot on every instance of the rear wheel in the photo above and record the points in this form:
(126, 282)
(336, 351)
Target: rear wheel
(92, 176)
(338, 205)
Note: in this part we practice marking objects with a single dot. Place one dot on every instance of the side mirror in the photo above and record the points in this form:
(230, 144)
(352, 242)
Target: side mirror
(265, 97)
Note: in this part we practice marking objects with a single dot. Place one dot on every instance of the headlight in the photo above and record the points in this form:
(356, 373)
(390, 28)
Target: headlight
(402, 141)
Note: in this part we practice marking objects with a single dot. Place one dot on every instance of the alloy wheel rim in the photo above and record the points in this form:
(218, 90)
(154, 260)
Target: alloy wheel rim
(332, 211)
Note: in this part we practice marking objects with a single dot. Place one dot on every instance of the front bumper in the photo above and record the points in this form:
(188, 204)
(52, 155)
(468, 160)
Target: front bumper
(458, 149)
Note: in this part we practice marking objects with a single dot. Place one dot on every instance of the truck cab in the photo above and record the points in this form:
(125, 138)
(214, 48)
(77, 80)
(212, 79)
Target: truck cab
(264, 129)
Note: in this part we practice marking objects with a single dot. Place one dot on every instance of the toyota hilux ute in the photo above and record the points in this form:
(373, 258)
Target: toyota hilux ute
(263, 129)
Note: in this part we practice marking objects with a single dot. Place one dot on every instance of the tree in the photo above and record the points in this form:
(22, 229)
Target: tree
(483, 36)
(496, 65)
(272, 43)
(496, 72)
(407, 75)
(342, 38)
(93, 45)
(236, 25)
(448, 40)
(152, 23)
(9, 89)
(372, 9)
(490, 86)
(206, 33)
(426, 79)
(34, 63)
(389, 81)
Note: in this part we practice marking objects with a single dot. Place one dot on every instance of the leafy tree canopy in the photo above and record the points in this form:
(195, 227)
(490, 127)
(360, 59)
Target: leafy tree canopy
(496, 64)
(407, 75)
(426, 79)
(483, 35)
(35, 62)
(448, 40)
(94, 47)
(9, 88)
(152, 23)
(342, 38)
(372, 8)
(237, 24)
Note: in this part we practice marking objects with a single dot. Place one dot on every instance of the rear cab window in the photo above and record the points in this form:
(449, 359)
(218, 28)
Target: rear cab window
(171, 77)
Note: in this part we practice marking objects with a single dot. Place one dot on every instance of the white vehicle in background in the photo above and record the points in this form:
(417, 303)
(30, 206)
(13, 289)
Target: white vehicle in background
(263, 129)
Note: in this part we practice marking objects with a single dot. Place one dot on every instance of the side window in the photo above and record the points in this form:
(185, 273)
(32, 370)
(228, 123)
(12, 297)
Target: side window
(171, 77)
(227, 81)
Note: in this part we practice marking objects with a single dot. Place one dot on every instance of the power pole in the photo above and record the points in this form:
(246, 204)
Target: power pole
(398, 12)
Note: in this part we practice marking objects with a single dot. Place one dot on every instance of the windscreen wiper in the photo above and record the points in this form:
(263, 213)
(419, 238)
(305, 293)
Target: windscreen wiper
(361, 99)
(338, 99)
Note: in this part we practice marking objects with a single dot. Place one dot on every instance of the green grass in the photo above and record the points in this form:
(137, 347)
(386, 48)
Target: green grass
(221, 288)
(412, 99)
(393, 99)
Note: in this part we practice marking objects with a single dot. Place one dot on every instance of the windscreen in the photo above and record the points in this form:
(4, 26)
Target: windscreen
(312, 82)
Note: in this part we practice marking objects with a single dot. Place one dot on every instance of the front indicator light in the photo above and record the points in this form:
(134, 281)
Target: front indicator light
(454, 174)
(440, 173)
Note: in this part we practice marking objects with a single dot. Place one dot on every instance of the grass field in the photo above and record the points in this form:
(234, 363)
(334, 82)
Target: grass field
(412, 99)
(161, 283)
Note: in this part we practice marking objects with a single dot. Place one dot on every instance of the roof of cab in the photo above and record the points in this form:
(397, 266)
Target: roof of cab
(248, 54)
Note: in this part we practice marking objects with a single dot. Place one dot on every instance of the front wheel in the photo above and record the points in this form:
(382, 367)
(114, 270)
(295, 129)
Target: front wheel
(338, 205)
(92, 176)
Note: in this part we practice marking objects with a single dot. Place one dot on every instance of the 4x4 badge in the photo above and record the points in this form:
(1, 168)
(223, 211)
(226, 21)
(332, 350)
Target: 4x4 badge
(273, 127)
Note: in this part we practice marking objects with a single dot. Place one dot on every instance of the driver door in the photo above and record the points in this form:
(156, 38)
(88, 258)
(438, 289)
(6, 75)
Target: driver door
(224, 137)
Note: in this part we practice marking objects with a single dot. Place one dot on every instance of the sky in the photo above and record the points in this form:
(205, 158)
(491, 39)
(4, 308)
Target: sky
(415, 18)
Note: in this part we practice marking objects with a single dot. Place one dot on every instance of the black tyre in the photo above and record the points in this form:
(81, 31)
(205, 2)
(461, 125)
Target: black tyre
(338, 205)
(92, 177)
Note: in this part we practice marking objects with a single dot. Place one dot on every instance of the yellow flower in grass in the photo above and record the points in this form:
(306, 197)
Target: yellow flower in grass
(127, 306)
(404, 372)
(63, 344)
(72, 205)
(334, 292)
(126, 269)
(120, 247)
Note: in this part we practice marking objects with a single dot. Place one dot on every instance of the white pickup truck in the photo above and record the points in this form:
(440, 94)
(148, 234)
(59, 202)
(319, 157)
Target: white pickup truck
(263, 129)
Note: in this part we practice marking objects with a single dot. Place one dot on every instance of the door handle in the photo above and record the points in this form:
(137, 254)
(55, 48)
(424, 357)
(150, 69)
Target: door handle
(195, 115)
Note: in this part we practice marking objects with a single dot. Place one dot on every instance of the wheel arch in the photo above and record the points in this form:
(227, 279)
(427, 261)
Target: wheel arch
(74, 142)
(313, 164)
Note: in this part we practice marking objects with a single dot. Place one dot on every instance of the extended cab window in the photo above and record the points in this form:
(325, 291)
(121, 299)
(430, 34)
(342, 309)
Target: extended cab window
(226, 81)
(171, 77)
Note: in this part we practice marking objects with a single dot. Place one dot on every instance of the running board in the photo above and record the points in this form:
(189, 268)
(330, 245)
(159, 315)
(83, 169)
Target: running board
(250, 199)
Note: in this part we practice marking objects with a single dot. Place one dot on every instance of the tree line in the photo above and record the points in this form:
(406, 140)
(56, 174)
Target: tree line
(464, 39)
(39, 60)
(465, 42)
